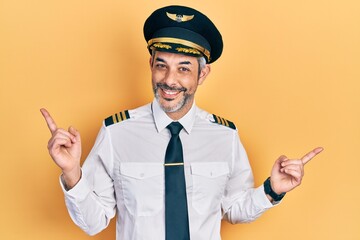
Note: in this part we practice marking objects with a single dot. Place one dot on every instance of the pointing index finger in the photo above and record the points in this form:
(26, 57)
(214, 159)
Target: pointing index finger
(310, 155)
(49, 120)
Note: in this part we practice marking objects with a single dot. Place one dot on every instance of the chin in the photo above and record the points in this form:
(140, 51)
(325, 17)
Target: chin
(170, 108)
(173, 105)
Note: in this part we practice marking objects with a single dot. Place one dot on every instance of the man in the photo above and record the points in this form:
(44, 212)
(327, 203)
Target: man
(169, 169)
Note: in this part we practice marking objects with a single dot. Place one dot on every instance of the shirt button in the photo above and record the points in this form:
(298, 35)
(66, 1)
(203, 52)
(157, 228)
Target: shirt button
(142, 175)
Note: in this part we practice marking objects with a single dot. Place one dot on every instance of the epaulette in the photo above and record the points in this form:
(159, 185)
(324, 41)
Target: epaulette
(117, 117)
(224, 122)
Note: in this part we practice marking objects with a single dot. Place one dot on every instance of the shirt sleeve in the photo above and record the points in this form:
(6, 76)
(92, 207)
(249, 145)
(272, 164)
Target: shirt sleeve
(242, 202)
(91, 202)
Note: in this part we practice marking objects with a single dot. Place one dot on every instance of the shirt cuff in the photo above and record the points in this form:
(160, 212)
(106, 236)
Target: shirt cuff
(79, 191)
(261, 198)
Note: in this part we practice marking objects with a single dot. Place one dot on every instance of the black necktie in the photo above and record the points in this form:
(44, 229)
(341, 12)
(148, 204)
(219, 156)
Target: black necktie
(176, 212)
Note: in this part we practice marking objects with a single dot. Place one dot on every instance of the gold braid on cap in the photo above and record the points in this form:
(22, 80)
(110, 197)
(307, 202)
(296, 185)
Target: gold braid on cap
(195, 47)
(161, 45)
(188, 50)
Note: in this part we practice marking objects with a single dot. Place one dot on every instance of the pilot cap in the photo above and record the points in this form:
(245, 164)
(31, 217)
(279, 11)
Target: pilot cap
(183, 30)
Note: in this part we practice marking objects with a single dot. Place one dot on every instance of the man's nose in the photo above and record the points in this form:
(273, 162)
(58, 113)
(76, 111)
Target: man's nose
(170, 77)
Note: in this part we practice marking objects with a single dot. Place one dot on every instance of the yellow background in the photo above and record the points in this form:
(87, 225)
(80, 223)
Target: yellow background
(289, 78)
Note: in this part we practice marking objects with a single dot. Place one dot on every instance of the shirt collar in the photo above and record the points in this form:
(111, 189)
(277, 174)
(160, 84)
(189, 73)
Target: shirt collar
(162, 119)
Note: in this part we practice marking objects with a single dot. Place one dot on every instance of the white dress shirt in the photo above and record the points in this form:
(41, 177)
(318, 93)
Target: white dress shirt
(124, 174)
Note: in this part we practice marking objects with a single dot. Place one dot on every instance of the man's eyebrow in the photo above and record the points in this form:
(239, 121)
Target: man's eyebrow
(160, 60)
(185, 62)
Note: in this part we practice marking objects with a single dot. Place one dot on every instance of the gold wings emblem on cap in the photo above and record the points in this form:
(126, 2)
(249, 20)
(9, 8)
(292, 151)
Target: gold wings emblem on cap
(179, 17)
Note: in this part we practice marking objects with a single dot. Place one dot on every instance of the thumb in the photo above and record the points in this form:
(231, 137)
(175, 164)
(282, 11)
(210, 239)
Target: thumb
(281, 159)
(76, 134)
(277, 164)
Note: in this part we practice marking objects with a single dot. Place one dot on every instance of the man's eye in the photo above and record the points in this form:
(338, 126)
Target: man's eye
(184, 69)
(160, 65)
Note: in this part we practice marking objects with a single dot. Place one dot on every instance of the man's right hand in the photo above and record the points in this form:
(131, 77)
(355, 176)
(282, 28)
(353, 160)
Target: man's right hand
(65, 149)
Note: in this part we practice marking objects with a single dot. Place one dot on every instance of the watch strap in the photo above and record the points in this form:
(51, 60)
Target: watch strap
(268, 190)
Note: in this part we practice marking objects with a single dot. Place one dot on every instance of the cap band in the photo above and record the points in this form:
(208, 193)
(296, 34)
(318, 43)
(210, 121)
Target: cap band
(202, 50)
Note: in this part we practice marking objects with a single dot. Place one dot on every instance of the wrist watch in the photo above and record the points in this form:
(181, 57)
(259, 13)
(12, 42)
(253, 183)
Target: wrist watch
(268, 190)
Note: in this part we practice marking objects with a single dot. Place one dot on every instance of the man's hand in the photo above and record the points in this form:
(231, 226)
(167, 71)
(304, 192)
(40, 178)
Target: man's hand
(287, 173)
(65, 149)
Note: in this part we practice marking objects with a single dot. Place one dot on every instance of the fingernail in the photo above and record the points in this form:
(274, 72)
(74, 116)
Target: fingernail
(320, 149)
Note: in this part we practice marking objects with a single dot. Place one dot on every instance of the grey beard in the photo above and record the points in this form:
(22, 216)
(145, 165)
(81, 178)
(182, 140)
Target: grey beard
(178, 106)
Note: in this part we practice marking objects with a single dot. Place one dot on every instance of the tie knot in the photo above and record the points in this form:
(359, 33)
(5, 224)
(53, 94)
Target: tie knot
(175, 128)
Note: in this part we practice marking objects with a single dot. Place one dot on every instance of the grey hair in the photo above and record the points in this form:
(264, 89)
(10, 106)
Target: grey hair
(202, 63)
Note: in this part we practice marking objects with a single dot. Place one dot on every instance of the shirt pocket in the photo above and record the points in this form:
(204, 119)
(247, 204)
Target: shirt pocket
(143, 187)
(209, 180)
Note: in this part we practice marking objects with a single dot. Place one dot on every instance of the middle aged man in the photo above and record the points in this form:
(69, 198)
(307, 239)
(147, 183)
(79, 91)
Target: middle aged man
(169, 169)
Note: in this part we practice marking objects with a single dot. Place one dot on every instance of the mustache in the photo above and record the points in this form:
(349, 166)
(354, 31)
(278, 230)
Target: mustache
(167, 87)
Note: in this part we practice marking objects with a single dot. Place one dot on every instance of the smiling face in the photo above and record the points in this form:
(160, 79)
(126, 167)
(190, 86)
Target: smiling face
(175, 78)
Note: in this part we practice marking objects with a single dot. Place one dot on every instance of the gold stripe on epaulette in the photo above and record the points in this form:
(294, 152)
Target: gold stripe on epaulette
(117, 117)
(224, 122)
(218, 119)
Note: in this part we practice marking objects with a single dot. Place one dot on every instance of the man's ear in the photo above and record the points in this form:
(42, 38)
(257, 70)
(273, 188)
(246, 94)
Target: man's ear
(151, 62)
(204, 73)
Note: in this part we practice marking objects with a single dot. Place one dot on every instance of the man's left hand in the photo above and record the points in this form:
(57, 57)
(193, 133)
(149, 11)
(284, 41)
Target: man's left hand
(287, 173)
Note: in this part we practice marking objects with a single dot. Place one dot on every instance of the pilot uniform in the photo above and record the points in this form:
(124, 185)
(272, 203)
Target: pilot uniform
(124, 172)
